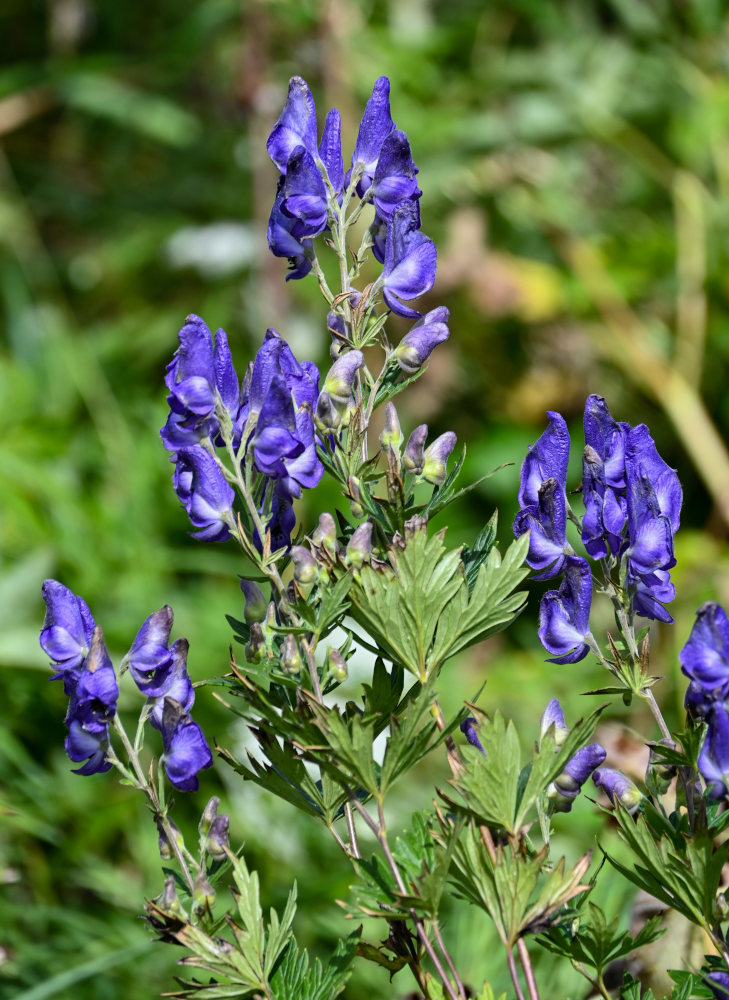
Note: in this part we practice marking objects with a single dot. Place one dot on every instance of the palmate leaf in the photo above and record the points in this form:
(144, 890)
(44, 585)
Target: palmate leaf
(419, 611)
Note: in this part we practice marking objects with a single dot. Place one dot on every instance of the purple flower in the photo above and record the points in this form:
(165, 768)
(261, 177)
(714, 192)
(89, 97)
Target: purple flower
(394, 179)
(91, 747)
(547, 522)
(436, 456)
(410, 260)
(295, 127)
(339, 381)
(469, 729)
(564, 614)
(202, 383)
(714, 756)
(718, 983)
(149, 659)
(330, 150)
(287, 237)
(618, 788)
(185, 749)
(378, 234)
(92, 706)
(304, 194)
(413, 458)
(554, 716)
(603, 479)
(67, 630)
(204, 493)
(275, 357)
(705, 656)
(374, 128)
(416, 346)
(177, 684)
(546, 459)
(566, 787)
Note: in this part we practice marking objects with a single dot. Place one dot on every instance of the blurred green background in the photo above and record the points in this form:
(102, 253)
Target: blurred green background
(574, 159)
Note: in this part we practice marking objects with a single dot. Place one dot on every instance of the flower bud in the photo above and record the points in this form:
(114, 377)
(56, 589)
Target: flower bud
(305, 567)
(337, 326)
(209, 813)
(416, 346)
(355, 502)
(256, 648)
(414, 454)
(168, 901)
(255, 606)
(566, 787)
(327, 417)
(436, 456)
(340, 378)
(554, 716)
(392, 436)
(359, 548)
(325, 534)
(290, 656)
(216, 841)
(618, 788)
(336, 664)
(468, 728)
(203, 894)
(718, 983)
(166, 850)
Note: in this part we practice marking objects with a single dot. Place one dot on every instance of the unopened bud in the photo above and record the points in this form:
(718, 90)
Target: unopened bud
(414, 454)
(340, 377)
(469, 729)
(209, 813)
(554, 716)
(325, 534)
(355, 501)
(337, 326)
(169, 901)
(436, 457)
(618, 788)
(337, 664)
(305, 567)
(359, 548)
(327, 417)
(256, 648)
(216, 842)
(255, 606)
(203, 894)
(290, 656)
(392, 436)
(166, 849)
(416, 346)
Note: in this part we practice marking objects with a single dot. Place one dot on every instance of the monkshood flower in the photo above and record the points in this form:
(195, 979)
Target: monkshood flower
(714, 756)
(203, 385)
(410, 260)
(275, 357)
(554, 716)
(186, 751)
(204, 493)
(413, 458)
(566, 787)
(92, 706)
(603, 480)
(417, 345)
(287, 238)
(618, 788)
(718, 983)
(469, 729)
(394, 180)
(339, 381)
(149, 659)
(177, 684)
(375, 127)
(67, 630)
(304, 193)
(296, 129)
(564, 614)
(543, 501)
(705, 656)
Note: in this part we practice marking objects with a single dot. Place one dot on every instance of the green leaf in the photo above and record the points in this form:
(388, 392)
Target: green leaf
(476, 555)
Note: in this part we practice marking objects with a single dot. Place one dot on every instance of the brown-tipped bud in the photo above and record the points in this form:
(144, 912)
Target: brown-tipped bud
(355, 501)
(216, 842)
(203, 894)
(255, 606)
(359, 548)
(340, 377)
(166, 849)
(336, 664)
(256, 648)
(325, 534)
(270, 620)
(291, 661)
(209, 813)
(305, 567)
(392, 437)
(436, 457)
(414, 454)
(327, 417)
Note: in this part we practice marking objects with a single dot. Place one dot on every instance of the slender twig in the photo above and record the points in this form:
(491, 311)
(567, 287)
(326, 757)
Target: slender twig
(526, 964)
(513, 973)
(446, 955)
(657, 714)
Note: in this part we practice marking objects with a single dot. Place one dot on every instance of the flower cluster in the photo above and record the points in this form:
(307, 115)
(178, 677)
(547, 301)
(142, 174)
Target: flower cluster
(313, 191)
(267, 424)
(632, 505)
(705, 661)
(565, 788)
(76, 646)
